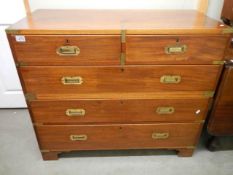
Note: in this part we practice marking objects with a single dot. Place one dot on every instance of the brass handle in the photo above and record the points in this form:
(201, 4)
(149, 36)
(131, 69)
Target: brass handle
(78, 137)
(68, 51)
(170, 79)
(75, 112)
(165, 110)
(156, 135)
(72, 80)
(176, 49)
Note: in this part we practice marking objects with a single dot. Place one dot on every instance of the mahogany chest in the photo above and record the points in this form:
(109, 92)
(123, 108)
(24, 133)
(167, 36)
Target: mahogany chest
(118, 79)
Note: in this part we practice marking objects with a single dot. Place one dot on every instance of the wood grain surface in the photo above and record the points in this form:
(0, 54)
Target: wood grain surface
(42, 50)
(47, 80)
(119, 111)
(150, 49)
(113, 21)
(121, 136)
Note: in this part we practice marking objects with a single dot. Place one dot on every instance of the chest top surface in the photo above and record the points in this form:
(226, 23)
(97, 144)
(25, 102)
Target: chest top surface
(114, 21)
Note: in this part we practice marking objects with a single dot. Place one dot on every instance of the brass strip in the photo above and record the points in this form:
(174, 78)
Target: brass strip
(123, 41)
(122, 59)
(12, 31)
(123, 36)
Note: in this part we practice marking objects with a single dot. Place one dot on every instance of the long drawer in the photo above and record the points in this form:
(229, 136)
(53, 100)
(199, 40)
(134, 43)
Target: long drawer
(79, 80)
(124, 136)
(121, 111)
(67, 49)
(151, 49)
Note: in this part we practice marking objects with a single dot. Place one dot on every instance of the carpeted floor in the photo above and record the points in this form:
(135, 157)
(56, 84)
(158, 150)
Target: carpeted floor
(19, 155)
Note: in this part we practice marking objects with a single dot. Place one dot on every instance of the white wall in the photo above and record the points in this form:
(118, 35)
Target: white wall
(11, 95)
(11, 11)
(214, 11)
(114, 4)
(215, 8)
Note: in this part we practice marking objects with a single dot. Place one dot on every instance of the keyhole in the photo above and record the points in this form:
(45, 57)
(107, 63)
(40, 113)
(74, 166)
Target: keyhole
(67, 42)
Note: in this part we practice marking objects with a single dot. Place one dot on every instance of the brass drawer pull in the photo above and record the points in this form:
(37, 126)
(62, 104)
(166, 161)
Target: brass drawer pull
(176, 49)
(165, 110)
(156, 135)
(72, 80)
(68, 51)
(170, 79)
(75, 112)
(78, 137)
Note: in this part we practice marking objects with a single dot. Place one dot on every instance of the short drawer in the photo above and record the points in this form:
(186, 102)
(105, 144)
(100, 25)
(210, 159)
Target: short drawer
(151, 49)
(68, 50)
(121, 111)
(80, 80)
(124, 136)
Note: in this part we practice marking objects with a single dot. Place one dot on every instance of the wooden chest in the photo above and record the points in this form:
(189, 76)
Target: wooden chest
(118, 79)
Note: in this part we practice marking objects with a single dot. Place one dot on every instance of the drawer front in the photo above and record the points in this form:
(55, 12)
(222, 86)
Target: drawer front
(80, 80)
(174, 49)
(127, 111)
(68, 50)
(96, 137)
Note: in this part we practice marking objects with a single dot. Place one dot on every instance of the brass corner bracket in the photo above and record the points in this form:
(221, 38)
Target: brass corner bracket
(20, 64)
(30, 97)
(228, 30)
(209, 94)
(219, 62)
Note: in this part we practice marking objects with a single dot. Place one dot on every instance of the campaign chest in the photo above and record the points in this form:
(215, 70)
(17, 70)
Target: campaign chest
(118, 79)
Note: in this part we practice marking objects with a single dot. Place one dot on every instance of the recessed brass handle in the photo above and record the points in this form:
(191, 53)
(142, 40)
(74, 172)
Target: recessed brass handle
(78, 137)
(165, 110)
(75, 112)
(68, 51)
(176, 49)
(72, 80)
(156, 135)
(170, 79)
